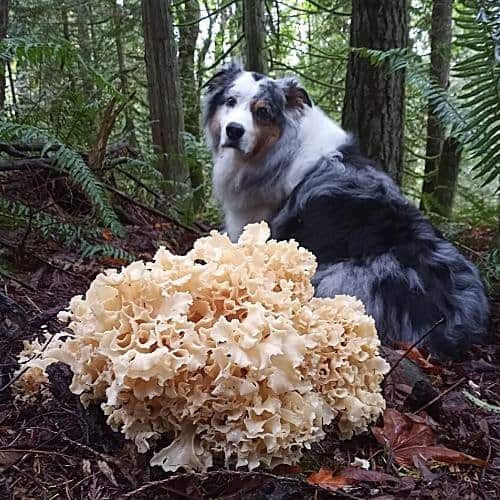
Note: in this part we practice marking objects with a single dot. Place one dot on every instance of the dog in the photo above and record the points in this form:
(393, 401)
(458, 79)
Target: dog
(279, 158)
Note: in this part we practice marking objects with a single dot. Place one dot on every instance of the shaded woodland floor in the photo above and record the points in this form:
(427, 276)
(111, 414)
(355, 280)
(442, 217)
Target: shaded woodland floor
(58, 449)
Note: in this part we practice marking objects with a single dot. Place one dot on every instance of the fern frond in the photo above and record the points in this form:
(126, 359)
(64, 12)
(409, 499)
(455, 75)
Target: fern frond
(48, 225)
(90, 250)
(71, 163)
(479, 21)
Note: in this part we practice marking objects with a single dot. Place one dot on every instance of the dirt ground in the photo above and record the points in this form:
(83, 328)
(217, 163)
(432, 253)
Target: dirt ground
(58, 449)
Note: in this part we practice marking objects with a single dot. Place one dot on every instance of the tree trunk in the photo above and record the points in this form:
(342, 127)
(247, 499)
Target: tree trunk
(374, 101)
(189, 17)
(255, 36)
(165, 103)
(4, 22)
(189, 29)
(446, 184)
(122, 71)
(440, 37)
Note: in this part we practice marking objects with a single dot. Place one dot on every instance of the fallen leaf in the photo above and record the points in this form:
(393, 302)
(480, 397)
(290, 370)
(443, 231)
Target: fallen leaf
(348, 477)
(287, 469)
(407, 436)
(107, 234)
(113, 262)
(418, 358)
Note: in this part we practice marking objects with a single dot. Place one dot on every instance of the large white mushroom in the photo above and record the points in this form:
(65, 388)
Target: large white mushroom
(224, 349)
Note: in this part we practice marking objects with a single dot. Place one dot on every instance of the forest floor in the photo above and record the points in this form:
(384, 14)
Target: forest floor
(58, 449)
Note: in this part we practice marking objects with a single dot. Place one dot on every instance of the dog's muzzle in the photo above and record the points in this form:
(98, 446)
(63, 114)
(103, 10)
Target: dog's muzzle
(234, 132)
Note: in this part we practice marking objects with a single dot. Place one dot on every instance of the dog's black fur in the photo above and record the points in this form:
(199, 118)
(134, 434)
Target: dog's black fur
(372, 243)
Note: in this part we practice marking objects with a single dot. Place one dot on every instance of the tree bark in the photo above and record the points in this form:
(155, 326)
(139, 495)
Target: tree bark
(255, 36)
(189, 17)
(374, 101)
(189, 28)
(4, 22)
(446, 182)
(122, 71)
(440, 37)
(165, 103)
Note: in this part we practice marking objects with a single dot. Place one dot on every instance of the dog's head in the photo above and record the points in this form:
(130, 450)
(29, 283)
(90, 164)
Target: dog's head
(248, 112)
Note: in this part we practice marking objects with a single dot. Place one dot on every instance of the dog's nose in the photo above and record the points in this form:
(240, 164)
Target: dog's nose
(234, 131)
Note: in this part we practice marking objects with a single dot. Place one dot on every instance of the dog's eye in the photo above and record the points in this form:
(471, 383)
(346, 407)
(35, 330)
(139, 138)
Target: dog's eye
(263, 114)
(231, 101)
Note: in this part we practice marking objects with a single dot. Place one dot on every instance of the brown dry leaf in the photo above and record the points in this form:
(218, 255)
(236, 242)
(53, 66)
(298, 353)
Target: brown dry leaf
(107, 234)
(283, 469)
(418, 358)
(408, 436)
(348, 477)
(113, 262)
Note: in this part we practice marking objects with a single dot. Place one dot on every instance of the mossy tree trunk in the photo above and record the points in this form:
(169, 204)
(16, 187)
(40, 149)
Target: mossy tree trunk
(374, 102)
(4, 22)
(440, 37)
(255, 36)
(165, 102)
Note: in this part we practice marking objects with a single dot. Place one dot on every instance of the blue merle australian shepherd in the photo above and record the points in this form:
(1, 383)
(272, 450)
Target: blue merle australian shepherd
(279, 158)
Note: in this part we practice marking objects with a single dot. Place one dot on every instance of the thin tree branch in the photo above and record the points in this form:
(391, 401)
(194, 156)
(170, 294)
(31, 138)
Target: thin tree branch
(418, 341)
(154, 211)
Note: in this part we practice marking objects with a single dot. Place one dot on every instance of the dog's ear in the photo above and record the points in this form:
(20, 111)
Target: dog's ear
(296, 95)
(224, 75)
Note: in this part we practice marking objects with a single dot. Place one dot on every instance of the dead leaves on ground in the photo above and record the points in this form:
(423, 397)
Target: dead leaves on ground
(407, 437)
(349, 476)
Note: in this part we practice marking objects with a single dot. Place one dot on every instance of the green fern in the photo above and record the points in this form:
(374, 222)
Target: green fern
(66, 233)
(48, 225)
(90, 250)
(71, 163)
(479, 21)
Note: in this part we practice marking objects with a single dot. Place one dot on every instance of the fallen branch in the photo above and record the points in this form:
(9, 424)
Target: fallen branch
(24, 164)
(243, 476)
(423, 337)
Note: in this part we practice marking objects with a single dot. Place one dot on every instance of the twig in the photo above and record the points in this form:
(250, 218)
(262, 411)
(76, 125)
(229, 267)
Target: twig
(25, 369)
(425, 335)
(151, 209)
(222, 57)
(442, 394)
(140, 183)
(18, 281)
(39, 452)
